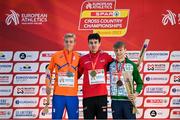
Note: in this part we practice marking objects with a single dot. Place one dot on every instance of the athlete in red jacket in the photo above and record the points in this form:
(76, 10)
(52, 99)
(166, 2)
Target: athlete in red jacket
(94, 68)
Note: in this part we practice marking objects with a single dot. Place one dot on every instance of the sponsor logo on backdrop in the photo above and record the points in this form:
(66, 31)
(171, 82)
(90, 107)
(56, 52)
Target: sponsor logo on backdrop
(5, 113)
(26, 90)
(26, 113)
(156, 113)
(34, 18)
(156, 55)
(26, 67)
(102, 17)
(80, 90)
(175, 113)
(26, 102)
(175, 56)
(82, 53)
(156, 78)
(175, 102)
(175, 79)
(5, 78)
(156, 67)
(140, 113)
(6, 67)
(46, 55)
(139, 101)
(133, 55)
(80, 102)
(156, 102)
(26, 55)
(6, 55)
(175, 67)
(43, 67)
(6, 90)
(81, 113)
(43, 102)
(156, 90)
(26, 78)
(109, 112)
(169, 17)
(43, 78)
(48, 115)
(175, 90)
(43, 91)
(6, 102)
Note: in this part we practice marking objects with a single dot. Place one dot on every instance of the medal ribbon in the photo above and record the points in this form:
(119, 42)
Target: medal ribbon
(94, 63)
(69, 63)
(120, 70)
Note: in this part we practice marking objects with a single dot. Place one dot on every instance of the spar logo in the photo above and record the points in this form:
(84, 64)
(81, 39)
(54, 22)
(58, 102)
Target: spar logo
(156, 102)
(156, 90)
(156, 78)
(170, 17)
(156, 67)
(26, 113)
(26, 102)
(12, 17)
(5, 113)
(175, 79)
(139, 101)
(46, 116)
(26, 90)
(102, 17)
(175, 102)
(5, 102)
(175, 113)
(156, 113)
(26, 78)
(175, 90)
(46, 55)
(25, 18)
(6, 55)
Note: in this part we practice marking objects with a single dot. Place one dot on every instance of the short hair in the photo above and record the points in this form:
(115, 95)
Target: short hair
(119, 44)
(70, 35)
(94, 36)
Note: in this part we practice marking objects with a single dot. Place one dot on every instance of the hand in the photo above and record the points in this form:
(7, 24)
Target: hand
(48, 90)
(132, 97)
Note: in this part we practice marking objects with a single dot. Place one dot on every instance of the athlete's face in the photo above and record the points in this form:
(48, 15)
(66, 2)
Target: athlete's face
(120, 53)
(94, 45)
(69, 43)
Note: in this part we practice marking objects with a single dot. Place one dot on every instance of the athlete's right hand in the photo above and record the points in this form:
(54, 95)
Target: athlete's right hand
(48, 90)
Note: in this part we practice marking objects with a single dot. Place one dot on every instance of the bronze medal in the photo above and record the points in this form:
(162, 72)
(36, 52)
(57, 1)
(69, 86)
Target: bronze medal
(93, 73)
(119, 83)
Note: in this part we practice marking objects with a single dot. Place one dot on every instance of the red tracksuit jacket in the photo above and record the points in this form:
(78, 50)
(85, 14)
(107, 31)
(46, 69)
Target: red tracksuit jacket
(85, 65)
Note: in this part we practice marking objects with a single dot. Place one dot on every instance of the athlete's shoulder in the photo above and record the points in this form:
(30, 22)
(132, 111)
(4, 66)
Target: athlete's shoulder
(57, 53)
(131, 62)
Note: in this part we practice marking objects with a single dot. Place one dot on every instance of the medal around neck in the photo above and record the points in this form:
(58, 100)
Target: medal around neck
(119, 83)
(93, 73)
(69, 74)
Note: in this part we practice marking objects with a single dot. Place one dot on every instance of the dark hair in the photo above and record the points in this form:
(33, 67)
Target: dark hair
(94, 36)
(119, 44)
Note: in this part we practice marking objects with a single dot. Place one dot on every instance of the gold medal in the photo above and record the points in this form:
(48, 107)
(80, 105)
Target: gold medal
(69, 74)
(93, 73)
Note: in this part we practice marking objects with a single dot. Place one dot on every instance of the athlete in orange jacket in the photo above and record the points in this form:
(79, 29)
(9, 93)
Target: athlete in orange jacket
(65, 64)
